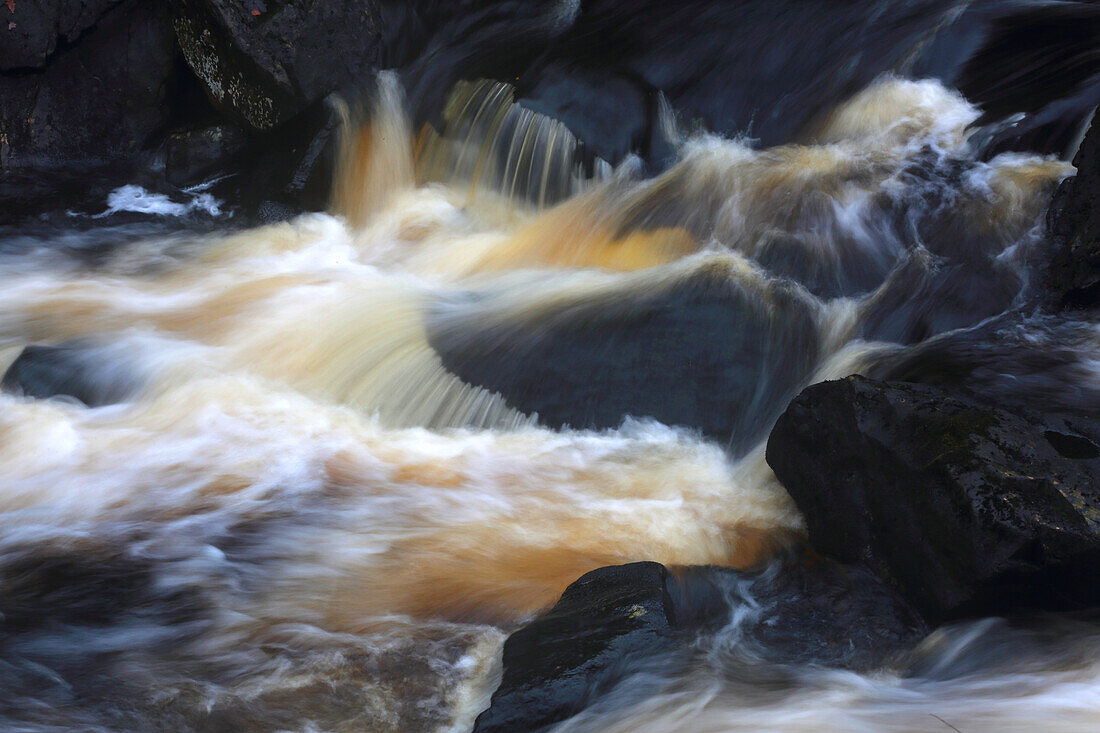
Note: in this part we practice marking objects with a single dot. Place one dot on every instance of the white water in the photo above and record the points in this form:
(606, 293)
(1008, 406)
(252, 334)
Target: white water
(325, 529)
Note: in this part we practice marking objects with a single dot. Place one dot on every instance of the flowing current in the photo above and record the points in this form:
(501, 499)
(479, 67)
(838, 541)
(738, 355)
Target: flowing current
(343, 456)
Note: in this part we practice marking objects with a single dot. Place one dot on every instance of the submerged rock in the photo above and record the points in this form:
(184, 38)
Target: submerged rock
(718, 348)
(72, 370)
(101, 87)
(641, 625)
(966, 509)
(1074, 224)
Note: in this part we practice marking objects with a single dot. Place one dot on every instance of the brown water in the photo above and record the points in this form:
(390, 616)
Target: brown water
(301, 520)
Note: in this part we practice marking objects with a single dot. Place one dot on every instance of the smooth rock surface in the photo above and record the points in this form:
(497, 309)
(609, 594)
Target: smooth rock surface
(717, 349)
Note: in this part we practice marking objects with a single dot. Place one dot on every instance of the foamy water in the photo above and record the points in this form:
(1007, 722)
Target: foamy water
(316, 525)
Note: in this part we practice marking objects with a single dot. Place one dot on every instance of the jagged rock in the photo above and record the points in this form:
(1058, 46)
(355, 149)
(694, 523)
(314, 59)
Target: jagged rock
(264, 61)
(965, 508)
(617, 622)
(1074, 225)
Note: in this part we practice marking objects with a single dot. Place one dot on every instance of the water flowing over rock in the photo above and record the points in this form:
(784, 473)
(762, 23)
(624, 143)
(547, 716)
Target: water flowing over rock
(618, 630)
(70, 370)
(747, 342)
(965, 508)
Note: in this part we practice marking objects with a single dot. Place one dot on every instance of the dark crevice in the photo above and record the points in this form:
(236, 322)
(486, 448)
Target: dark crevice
(1072, 446)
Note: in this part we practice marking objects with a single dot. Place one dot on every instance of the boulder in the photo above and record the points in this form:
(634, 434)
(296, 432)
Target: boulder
(719, 348)
(262, 62)
(1022, 362)
(619, 633)
(607, 623)
(1074, 225)
(963, 507)
(806, 609)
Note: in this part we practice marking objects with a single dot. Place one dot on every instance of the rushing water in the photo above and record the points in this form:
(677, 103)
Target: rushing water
(322, 493)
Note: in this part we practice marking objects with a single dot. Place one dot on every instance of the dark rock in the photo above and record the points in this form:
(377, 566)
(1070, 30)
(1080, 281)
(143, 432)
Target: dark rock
(104, 97)
(1032, 66)
(194, 155)
(43, 589)
(41, 26)
(642, 626)
(1074, 225)
(265, 61)
(717, 349)
(295, 163)
(1025, 363)
(965, 508)
(729, 66)
(808, 610)
(74, 370)
(928, 295)
(606, 622)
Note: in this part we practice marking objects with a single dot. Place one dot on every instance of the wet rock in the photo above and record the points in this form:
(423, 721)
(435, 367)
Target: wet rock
(607, 622)
(1034, 362)
(1032, 67)
(194, 155)
(1074, 225)
(928, 295)
(638, 624)
(296, 162)
(716, 349)
(963, 507)
(264, 61)
(73, 370)
(104, 97)
(808, 610)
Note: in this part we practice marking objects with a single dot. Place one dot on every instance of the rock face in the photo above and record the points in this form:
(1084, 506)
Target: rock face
(1074, 224)
(104, 97)
(616, 622)
(264, 61)
(965, 508)
(39, 27)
